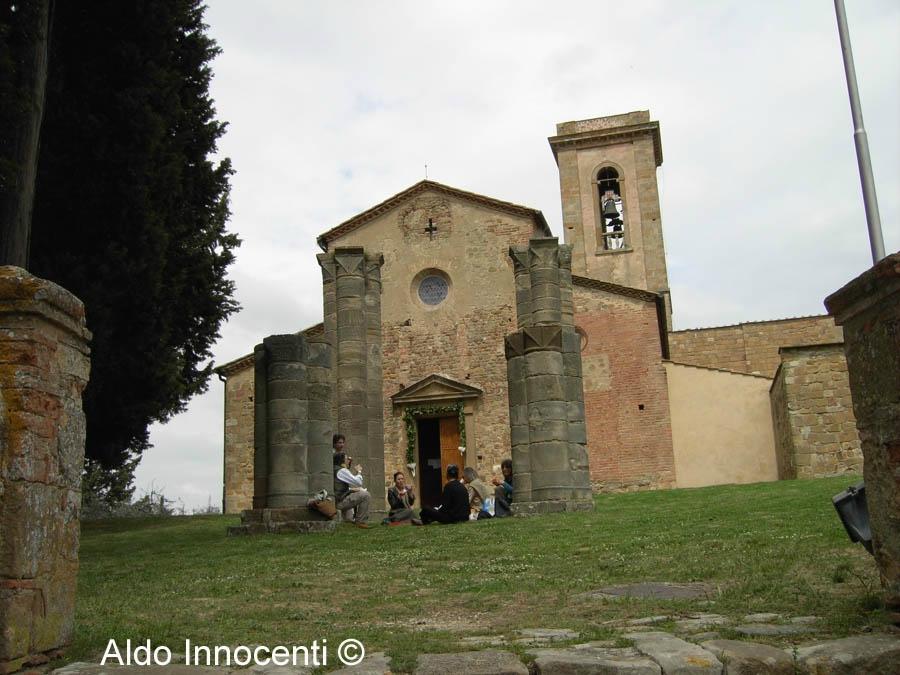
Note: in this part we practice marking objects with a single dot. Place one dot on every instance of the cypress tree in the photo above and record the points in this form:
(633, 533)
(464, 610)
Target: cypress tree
(131, 209)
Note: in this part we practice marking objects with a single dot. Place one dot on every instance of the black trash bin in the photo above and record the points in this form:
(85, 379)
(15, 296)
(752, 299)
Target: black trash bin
(854, 513)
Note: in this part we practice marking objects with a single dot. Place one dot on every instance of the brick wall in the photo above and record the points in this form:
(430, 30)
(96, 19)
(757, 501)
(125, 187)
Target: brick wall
(750, 347)
(44, 367)
(815, 429)
(629, 448)
(239, 440)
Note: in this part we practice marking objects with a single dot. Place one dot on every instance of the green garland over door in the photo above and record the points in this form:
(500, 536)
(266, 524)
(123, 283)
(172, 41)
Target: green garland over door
(414, 411)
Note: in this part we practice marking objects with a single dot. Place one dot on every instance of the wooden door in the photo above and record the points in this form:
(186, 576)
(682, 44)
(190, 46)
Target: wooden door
(450, 454)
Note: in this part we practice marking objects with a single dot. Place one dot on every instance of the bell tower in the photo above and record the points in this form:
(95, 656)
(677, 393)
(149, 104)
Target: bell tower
(610, 200)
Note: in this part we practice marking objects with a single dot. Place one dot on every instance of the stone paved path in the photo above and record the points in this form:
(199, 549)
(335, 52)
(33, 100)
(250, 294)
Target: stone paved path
(550, 651)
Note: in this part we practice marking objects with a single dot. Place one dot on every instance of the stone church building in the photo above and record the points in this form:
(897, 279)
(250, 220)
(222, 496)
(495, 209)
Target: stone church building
(745, 403)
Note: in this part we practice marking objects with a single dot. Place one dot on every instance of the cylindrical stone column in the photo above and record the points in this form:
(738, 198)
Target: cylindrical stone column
(260, 414)
(551, 475)
(577, 431)
(329, 315)
(544, 273)
(521, 267)
(286, 421)
(319, 395)
(351, 352)
(518, 415)
(374, 467)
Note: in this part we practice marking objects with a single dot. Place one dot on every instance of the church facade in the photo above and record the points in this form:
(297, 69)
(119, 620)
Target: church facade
(661, 409)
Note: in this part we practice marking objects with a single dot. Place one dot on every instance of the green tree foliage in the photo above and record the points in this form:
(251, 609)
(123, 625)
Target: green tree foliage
(131, 208)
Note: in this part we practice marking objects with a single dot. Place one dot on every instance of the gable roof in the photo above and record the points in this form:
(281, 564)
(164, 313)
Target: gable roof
(433, 388)
(246, 361)
(423, 186)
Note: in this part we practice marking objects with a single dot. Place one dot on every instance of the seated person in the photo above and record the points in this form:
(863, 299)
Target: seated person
(503, 490)
(349, 493)
(478, 493)
(454, 506)
(401, 497)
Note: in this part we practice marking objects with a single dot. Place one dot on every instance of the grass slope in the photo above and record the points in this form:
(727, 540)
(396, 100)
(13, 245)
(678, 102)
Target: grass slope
(774, 547)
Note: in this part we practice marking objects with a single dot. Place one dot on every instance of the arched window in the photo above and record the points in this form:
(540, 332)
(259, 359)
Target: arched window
(612, 209)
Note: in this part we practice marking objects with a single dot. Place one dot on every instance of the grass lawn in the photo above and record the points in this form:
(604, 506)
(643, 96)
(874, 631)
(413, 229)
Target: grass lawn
(770, 547)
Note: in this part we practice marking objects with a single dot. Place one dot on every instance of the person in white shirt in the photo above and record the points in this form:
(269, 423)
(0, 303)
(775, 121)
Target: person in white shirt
(349, 492)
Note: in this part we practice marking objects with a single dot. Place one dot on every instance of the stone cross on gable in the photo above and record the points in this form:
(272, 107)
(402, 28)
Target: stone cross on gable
(431, 229)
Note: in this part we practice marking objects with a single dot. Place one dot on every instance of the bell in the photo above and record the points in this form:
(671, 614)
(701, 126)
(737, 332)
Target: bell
(609, 209)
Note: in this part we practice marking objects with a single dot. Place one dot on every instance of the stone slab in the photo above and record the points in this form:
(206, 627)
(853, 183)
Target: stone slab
(489, 640)
(675, 656)
(542, 636)
(594, 661)
(376, 663)
(660, 590)
(648, 620)
(762, 617)
(81, 668)
(770, 630)
(489, 662)
(749, 658)
(870, 654)
(696, 622)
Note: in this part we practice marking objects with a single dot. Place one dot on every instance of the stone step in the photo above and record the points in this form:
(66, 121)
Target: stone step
(490, 662)
(674, 655)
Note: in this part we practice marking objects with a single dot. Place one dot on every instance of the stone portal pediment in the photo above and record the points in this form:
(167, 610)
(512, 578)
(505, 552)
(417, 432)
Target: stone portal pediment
(435, 388)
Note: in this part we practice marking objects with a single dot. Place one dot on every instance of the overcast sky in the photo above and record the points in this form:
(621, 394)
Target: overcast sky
(335, 106)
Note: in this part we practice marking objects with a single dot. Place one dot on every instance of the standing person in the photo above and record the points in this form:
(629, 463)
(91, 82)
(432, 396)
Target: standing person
(401, 498)
(503, 490)
(454, 506)
(349, 493)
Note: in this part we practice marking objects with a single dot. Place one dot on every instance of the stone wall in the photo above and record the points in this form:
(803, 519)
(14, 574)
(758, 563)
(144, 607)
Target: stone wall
(750, 347)
(815, 429)
(626, 397)
(44, 367)
(238, 472)
(869, 310)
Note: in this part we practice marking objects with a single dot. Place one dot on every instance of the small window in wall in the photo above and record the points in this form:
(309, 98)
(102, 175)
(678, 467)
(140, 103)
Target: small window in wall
(612, 210)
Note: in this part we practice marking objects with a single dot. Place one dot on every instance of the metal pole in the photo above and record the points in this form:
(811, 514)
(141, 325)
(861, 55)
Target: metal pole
(873, 219)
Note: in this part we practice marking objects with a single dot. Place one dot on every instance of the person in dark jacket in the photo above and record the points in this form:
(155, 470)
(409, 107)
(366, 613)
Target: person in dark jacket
(454, 506)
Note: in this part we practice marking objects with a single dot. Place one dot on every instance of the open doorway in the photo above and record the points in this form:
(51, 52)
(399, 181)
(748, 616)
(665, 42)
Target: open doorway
(438, 448)
(430, 475)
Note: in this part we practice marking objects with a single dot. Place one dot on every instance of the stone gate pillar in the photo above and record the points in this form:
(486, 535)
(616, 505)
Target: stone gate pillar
(545, 389)
(44, 366)
(869, 310)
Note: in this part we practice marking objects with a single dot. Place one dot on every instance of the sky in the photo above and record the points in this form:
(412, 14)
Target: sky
(333, 107)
